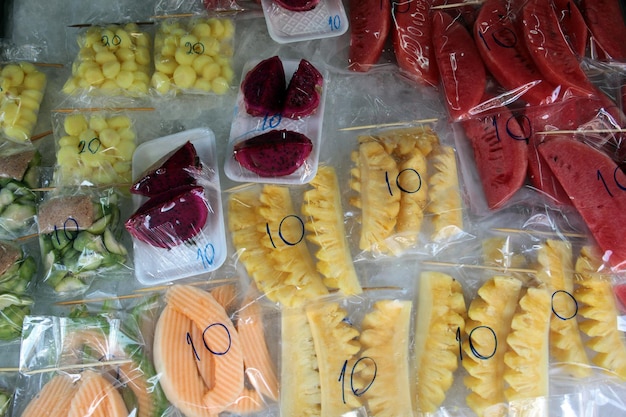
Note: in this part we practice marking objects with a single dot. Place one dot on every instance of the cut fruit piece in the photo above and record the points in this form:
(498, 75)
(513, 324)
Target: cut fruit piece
(171, 218)
(573, 24)
(497, 251)
(55, 397)
(500, 154)
(303, 92)
(487, 327)
(370, 22)
(557, 273)
(461, 69)
(96, 397)
(298, 5)
(385, 341)
(264, 88)
(441, 312)
(275, 153)
(300, 382)
(179, 167)
(322, 205)
(606, 22)
(445, 196)
(599, 314)
(527, 360)
(336, 346)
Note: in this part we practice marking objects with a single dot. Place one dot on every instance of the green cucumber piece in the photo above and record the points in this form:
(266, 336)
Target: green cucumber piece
(19, 213)
(57, 276)
(10, 273)
(100, 225)
(70, 283)
(89, 260)
(60, 240)
(113, 245)
(88, 241)
(6, 198)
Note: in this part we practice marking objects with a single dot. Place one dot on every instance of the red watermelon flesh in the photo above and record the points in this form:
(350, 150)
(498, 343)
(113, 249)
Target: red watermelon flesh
(604, 18)
(573, 25)
(370, 22)
(500, 153)
(461, 69)
(275, 153)
(171, 218)
(597, 188)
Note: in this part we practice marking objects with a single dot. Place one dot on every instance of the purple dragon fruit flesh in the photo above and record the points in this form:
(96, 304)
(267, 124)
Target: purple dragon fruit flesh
(177, 168)
(264, 87)
(297, 5)
(303, 92)
(171, 218)
(275, 153)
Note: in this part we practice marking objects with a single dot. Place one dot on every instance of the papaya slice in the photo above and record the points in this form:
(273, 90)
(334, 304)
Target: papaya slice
(55, 397)
(445, 204)
(370, 22)
(322, 205)
(461, 69)
(606, 23)
(96, 397)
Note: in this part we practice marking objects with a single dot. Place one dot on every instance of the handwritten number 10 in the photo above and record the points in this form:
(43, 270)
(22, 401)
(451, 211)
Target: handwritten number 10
(471, 342)
(334, 22)
(342, 378)
(206, 255)
(206, 345)
(606, 187)
(280, 231)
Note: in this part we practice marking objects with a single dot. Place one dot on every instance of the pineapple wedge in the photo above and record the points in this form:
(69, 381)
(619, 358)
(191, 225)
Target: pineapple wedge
(445, 198)
(497, 251)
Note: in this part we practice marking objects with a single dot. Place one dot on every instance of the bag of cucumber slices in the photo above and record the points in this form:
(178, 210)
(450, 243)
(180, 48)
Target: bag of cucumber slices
(80, 237)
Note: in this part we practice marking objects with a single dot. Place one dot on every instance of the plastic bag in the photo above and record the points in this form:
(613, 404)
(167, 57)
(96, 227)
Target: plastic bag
(194, 55)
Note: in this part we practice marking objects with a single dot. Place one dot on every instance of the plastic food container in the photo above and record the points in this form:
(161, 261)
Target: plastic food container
(245, 126)
(206, 251)
(326, 20)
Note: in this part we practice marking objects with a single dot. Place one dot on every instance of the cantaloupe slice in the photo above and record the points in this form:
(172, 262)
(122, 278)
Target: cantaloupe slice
(557, 273)
(220, 337)
(491, 311)
(528, 355)
(385, 341)
(445, 203)
(96, 397)
(325, 226)
(225, 295)
(336, 346)
(300, 393)
(440, 314)
(599, 312)
(55, 397)
(249, 401)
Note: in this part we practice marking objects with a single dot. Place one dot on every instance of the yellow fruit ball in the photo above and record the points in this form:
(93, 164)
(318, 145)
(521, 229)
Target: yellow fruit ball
(86, 136)
(123, 39)
(169, 26)
(27, 117)
(84, 172)
(125, 79)
(187, 41)
(86, 54)
(179, 33)
(138, 87)
(28, 103)
(17, 133)
(166, 66)
(91, 159)
(184, 76)
(27, 67)
(170, 40)
(142, 55)
(10, 112)
(161, 82)
(126, 149)
(142, 40)
(220, 85)
(109, 138)
(111, 69)
(168, 51)
(183, 57)
(70, 86)
(67, 156)
(35, 81)
(201, 29)
(217, 27)
(109, 87)
(200, 62)
(91, 37)
(127, 134)
(210, 71)
(105, 56)
(75, 124)
(131, 27)
(228, 73)
(125, 54)
(129, 66)
(68, 141)
(106, 37)
(36, 95)
(211, 46)
(119, 121)
(13, 73)
(94, 76)
(141, 77)
(202, 85)
(103, 176)
(122, 167)
(229, 29)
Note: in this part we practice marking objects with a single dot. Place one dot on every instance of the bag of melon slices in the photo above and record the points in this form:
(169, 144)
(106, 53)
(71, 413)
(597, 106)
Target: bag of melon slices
(80, 237)
(84, 366)
(213, 352)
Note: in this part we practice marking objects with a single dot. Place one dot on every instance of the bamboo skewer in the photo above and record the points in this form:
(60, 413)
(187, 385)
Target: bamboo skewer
(455, 5)
(76, 366)
(539, 232)
(40, 135)
(485, 267)
(422, 121)
(92, 109)
(582, 131)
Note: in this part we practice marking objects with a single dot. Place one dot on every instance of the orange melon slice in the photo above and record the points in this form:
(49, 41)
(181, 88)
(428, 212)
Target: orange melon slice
(54, 399)
(97, 397)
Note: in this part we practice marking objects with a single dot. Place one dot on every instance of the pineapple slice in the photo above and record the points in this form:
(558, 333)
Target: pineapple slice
(493, 308)
(440, 314)
(445, 198)
(527, 359)
(497, 251)
(288, 251)
(599, 312)
(556, 272)
(335, 347)
(379, 207)
(300, 393)
(322, 205)
(385, 340)
(243, 221)
(402, 141)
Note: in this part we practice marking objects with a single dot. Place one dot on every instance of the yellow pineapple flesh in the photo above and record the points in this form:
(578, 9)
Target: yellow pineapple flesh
(445, 199)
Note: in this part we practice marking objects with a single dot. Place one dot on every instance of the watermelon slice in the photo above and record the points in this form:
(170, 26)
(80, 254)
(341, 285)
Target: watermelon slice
(605, 20)
(596, 187)
(573, 25)
(370, 22)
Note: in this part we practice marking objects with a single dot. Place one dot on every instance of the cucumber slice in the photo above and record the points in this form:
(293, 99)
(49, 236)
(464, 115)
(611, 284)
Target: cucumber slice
(70, 283)
(60, 240)
(6, 198)
(113, 245)
(89, 260)
(19, 213)
(57, 276)
(100, 225)
(86, 241)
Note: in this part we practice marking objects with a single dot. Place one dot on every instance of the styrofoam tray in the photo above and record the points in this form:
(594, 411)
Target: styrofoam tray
(207, 252)
(245, 126)
(326, 20)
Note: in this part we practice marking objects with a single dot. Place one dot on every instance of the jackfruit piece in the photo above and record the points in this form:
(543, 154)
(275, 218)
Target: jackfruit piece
(325, 225)
(599, 311)
(300, 393)
(385, 340)
(444, 195)
(440, 315)
(492, 309)
(336, 346)
(527, 358)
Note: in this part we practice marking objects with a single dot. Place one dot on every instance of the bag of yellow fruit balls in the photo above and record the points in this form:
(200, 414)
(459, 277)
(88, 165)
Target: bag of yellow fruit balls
(193, 55)
(113, 60)
(22, 88)
(93, 147)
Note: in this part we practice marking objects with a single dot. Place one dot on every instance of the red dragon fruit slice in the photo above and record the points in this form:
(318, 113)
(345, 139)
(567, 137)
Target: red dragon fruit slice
(171, 218)
(264, 87)
(297, 5)
(275, 153)
(177, 168)
(303, 92)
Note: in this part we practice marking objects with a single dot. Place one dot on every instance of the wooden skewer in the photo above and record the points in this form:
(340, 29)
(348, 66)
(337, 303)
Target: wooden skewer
(199, 283)
(454, 5)
(90, 109)
(167, 16)
(239, 187)
(114, 185)
(97, 300)
(485, 267)
(582, 131)
(87, 25)
(539, 232)
(9, 369)
(422, 121)
(76, 366)
(47, 64)
(40, 135)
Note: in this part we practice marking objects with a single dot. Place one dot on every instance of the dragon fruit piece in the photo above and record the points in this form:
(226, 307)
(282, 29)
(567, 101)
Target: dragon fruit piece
(179, 167)
(275, 153)
(303, 92)
(171, 218)
(264, 87)
(297, 5)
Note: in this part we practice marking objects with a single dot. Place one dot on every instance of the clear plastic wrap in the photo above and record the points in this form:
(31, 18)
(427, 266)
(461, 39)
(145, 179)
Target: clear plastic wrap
(194, 55)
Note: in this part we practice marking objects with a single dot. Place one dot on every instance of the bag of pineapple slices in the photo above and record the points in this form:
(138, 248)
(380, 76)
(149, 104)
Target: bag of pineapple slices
(84, 366)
